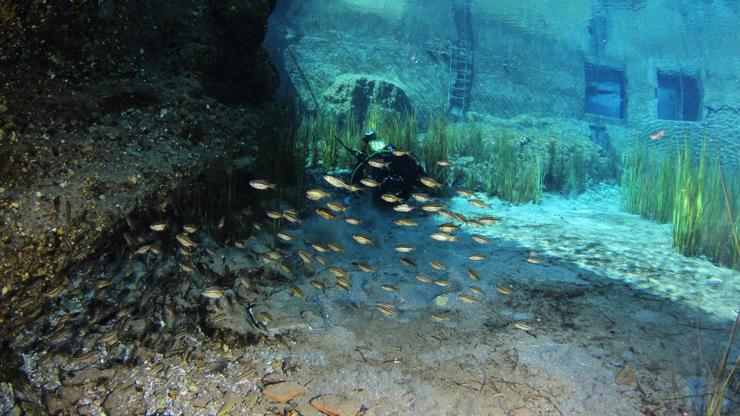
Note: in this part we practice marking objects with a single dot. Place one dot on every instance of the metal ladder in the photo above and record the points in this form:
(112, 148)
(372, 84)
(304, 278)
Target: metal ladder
(460, 79)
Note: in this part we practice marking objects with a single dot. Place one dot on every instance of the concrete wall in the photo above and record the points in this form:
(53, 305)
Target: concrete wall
(530, 54)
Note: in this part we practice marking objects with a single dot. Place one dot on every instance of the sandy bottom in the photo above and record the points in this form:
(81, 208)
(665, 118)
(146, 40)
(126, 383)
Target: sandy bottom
(579, 309)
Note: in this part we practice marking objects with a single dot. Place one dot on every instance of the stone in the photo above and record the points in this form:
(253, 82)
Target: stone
(273, 378)
(336, 405)
(125, 400)
(283, 392)
(359, 93)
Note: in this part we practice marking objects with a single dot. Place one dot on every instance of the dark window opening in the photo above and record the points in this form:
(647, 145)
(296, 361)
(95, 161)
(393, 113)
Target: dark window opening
(605, 91)
(679, 97)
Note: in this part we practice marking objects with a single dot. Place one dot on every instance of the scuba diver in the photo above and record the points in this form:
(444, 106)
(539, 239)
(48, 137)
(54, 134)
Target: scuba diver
(399, 174)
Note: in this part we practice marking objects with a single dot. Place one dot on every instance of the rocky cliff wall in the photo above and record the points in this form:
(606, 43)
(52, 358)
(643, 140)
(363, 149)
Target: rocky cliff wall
(108, 109)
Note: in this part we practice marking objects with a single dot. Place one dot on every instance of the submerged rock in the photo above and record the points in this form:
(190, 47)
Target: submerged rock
(359, 93)
(336, 406)
(283, 392)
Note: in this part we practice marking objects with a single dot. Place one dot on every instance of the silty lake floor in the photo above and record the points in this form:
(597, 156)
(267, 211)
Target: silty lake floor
(579, 333)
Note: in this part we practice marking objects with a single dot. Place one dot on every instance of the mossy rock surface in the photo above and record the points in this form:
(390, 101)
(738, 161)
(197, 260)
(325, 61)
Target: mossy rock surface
(358, 94)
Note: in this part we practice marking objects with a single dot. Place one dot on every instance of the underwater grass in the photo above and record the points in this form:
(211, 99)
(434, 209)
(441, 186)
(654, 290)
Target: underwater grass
(690, 193)
(515, 177)
(723, 376)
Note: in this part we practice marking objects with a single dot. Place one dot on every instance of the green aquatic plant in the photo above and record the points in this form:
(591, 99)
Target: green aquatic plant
(690, 193)
(434, 148)
(514, 176)
(723, 376)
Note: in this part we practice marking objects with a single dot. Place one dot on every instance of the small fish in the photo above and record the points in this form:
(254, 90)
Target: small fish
(405, 222)
(316, 194)
(306, 257)
(184, 252)
(274, 255)
(504, 290)
(429, 182)
(353, 188)
(212, 293)
(295, 291)
(185, 241)
(370, 183)
(465, 193)
(322, 260)
(318, 285)
(403, 208)
(473, 274)
(442, 282)
(352, 220)
(341, 287)
(474, 223)
(143, 249)
(535, 260)
(479, 239)
(657, 135)
(407, 262)
(389, 288)
(158, 226)
(405, 248)
(378, 164)
(130, 240)
(335, 247)
(261, 184)
(221, 223)
(363, 239)
(385, 308)
(240, 244)
(444, 163)
(448, 227)
(439, 317)
(325, 213)
(390, 198)
(459, 217)
(437, 265)
(275, 215)
(186, 267)
(363, 267)
(284, 236)
(335, 182)
(343, 282)
(446, 213)
(265, 317)
(423, 278)
(54, 292)
(443, 237)
(400, 153)
(320, 247)
(467, 298)
(420, 197)
(522, 326)
(433, 207)
(291, 215)
(475, 289)
(338, 271)
(479, 203)
(335, 206)
(489, 220)
(477, 257)
(285, 267)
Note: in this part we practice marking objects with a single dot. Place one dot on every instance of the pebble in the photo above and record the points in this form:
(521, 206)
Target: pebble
(283, 392)
(336, 406)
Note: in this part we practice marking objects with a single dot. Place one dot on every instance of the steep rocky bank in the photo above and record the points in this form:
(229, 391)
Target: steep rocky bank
(115, 110)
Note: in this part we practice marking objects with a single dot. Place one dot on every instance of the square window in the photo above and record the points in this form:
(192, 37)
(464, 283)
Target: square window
(679, 97)
(605, 91)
